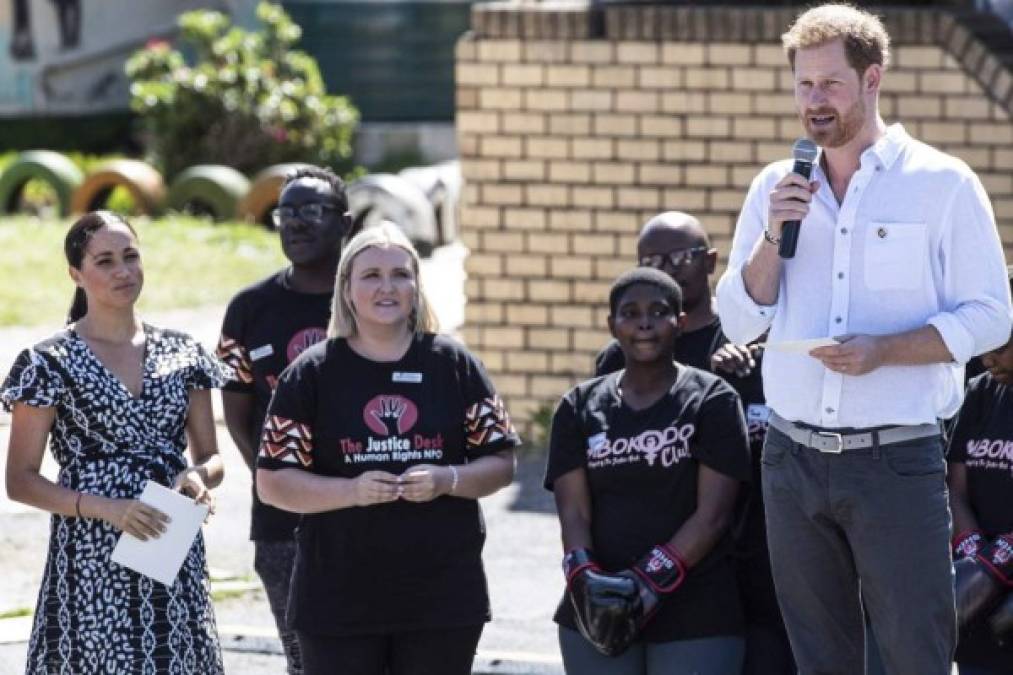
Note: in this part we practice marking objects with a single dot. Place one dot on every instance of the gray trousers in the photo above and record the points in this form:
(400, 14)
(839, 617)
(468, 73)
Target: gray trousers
(719, 655)
(870, 524)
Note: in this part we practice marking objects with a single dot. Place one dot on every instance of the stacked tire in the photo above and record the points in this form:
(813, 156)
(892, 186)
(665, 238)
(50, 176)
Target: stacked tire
(421, 200)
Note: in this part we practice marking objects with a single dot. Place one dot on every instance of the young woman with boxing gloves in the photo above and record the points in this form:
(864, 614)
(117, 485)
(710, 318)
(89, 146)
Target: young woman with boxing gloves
(646, 465)
(980, 479)
(119, 401)
(384, 436)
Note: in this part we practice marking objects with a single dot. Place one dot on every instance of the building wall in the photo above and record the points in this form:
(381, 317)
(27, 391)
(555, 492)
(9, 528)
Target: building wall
(576, 125)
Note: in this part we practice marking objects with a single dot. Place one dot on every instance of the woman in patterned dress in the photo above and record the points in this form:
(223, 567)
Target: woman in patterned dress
(119, 400)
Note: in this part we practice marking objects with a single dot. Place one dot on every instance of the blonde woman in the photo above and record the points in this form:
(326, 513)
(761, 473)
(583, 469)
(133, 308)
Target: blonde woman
(384, 436)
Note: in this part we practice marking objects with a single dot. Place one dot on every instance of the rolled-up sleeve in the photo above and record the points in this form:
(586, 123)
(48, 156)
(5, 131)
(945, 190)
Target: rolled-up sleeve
(976, 313)
(742, 319)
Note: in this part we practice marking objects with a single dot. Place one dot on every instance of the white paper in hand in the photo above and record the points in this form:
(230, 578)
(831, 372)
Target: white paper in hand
(800, 346)
(161, 558)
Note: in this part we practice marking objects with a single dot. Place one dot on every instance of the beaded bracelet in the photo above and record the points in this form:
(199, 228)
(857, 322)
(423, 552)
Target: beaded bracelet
(453, 483)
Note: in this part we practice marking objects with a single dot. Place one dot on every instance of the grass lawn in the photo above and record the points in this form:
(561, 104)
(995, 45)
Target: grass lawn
(187, 263)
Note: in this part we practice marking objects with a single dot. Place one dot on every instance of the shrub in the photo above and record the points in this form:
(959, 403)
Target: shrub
(245, 99)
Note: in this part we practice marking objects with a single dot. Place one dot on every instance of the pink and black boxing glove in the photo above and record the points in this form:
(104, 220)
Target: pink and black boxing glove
(981, 581)
(998, 558)
(657, 574)
(604, 605)
(967, 544)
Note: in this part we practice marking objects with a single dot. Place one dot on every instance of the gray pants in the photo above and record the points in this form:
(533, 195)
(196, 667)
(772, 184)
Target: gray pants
(870, 524)
(721, 655)
(273, 562)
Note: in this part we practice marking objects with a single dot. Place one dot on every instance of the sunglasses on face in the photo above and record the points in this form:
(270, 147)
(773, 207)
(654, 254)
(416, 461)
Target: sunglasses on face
(311, 213)
(677, 258)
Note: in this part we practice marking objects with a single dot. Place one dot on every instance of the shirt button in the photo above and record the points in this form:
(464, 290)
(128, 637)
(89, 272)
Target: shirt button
(829, 410)
(837, 320)
(844, 230)
(840, 275)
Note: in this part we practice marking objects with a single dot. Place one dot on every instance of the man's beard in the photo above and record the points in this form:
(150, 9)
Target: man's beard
(843, 130)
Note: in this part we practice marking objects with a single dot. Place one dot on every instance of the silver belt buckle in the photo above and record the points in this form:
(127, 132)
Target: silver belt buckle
(831, 434)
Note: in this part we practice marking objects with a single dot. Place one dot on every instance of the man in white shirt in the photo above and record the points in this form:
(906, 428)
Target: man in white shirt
(898, 256)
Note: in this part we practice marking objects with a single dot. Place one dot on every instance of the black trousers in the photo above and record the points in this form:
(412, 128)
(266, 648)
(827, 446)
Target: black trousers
(273, 562)
(443, 651)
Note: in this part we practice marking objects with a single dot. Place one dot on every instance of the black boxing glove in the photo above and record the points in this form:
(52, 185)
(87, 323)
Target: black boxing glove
(981, 581)
(657, 574)
(975, 590)
(604, 605)
(1001, 622)
(967, 544)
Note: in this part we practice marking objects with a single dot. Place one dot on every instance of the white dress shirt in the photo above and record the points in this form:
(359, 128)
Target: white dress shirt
(913, 242)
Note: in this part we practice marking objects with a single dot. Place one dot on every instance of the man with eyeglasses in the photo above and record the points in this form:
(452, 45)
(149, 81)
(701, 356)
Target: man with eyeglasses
(677, 244)
(266, 326)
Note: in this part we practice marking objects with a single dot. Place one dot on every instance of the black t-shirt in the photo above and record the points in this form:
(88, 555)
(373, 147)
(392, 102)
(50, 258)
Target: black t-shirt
(982, 440)
(695, 348)
(642, 468)
(266, 326)
(396, 566)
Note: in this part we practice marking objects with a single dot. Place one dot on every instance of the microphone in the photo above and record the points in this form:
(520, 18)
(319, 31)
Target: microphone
(804, 151)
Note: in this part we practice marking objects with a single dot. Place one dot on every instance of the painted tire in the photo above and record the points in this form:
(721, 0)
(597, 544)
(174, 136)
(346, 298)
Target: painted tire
(142, 180)
(45, 165)
(210, 189)
(263, 194)
(442, 184)
(385, 196)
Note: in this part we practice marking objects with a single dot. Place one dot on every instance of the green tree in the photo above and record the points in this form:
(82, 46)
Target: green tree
(244, 99)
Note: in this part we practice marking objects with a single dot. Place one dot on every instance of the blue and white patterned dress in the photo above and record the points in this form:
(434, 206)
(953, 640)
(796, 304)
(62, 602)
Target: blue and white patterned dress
(95, 616)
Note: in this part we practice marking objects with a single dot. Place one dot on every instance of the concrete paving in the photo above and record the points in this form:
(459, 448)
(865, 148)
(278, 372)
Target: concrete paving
(521, 557)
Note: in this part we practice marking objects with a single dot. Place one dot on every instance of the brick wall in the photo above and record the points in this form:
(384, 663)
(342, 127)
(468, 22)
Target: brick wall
(576, 125)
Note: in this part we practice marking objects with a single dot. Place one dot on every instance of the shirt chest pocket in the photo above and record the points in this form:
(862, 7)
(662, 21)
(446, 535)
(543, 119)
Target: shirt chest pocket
(895, 255)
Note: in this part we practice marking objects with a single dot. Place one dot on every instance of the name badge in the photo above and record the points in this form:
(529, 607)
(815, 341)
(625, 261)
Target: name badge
(261, 352)
(413, 378)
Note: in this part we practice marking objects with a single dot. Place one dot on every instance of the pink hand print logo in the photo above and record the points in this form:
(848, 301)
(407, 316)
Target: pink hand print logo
(390, 415)
(303, 340)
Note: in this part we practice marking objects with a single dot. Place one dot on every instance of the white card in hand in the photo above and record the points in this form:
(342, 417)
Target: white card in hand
(161, 558)
(800, 346)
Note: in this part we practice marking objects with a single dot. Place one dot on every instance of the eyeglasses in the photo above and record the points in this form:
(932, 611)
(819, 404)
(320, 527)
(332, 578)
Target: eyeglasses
(312, 213)
(677, 258)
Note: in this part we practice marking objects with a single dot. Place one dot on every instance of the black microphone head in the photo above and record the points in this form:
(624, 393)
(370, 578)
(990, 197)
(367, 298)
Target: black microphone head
(804, 150)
